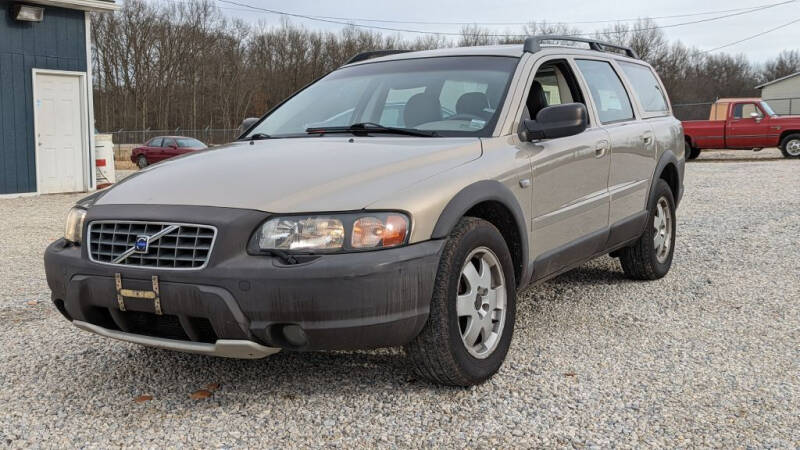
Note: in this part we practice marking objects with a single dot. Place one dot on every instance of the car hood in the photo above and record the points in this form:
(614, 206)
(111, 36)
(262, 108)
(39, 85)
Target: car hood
(336, 173)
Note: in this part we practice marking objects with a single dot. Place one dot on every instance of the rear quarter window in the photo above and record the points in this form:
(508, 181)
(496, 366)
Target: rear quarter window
(645, 87)
(609, 95)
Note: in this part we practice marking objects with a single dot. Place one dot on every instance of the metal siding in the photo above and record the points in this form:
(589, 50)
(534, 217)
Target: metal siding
(57, 43)
(783, 96)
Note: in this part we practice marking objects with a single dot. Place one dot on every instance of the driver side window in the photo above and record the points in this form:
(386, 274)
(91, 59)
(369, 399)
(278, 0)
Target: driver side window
(554, 84)
(743, 110)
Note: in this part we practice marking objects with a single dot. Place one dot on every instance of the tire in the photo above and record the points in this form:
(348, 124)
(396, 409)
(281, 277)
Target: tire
(645, 260)
(141, 161)
(440, 352)
(691, 152)
(790, 146)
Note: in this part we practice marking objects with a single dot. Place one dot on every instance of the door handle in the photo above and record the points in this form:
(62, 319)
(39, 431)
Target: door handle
(647, 139)
(601, 149)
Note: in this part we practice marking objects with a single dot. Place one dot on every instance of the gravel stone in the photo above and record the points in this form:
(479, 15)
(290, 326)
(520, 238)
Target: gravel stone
(709, 356)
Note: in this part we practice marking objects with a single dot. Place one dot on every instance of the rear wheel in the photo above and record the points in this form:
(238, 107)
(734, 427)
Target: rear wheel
(650, 258)
(472, 313)
(790, 146)
(691, 152)
(141, 161)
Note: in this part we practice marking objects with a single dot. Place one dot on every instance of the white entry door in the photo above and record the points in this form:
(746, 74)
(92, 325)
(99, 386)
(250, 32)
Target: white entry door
(60, 132)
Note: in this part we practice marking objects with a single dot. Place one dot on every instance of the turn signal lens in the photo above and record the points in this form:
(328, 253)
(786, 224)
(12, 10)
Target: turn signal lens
(372, 232)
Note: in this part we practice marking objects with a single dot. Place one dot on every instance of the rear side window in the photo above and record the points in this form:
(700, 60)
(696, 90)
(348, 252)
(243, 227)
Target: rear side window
(646, 87)
(190, 143)
(608, 93)
(453, 90)
(396, 99)
(719, 111)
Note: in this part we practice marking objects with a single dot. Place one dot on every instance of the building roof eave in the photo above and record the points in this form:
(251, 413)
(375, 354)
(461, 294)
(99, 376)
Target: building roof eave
(778, 80)
(83, 5)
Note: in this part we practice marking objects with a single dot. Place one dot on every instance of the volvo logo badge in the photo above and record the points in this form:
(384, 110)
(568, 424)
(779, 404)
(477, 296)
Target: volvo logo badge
(142, 244)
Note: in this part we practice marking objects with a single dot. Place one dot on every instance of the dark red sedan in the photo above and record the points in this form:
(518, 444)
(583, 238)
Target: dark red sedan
(164, 147)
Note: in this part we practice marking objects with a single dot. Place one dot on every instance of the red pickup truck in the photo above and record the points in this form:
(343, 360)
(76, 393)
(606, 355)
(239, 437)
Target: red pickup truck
(743, 123)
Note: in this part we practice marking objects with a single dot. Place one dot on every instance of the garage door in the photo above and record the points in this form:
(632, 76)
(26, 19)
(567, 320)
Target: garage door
(60, 134)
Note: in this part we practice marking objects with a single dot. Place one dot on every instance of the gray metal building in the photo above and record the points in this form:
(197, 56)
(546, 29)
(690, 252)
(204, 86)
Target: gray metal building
(783, 94)
(46, 117)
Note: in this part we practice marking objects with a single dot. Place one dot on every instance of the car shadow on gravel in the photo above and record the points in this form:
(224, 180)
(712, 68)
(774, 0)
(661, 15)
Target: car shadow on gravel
(173, 376)
(603, 270)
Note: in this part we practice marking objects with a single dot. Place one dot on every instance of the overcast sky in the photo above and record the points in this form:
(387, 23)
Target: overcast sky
(705, 35)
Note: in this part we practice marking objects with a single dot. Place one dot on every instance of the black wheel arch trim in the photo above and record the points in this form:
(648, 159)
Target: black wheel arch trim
(483, 191)
(666, 159)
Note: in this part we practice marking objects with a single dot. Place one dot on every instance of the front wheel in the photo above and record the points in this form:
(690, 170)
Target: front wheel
(790, 146)
(141, 161)
(473, 308)
(650, 258)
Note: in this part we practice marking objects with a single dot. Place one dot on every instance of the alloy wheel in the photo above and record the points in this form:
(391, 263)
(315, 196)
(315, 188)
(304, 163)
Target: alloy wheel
(481, 302)
(662, 223)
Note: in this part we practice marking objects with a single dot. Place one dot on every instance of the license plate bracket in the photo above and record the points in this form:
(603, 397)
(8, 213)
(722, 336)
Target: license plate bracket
(122, 293)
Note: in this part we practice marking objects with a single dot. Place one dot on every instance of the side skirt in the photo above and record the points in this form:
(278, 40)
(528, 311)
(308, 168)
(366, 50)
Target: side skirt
(559, 260)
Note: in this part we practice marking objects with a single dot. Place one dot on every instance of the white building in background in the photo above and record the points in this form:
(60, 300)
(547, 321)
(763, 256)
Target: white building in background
(783, 94)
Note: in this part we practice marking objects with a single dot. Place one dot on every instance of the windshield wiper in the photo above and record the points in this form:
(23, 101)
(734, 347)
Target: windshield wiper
(258, 137)
(366, 127)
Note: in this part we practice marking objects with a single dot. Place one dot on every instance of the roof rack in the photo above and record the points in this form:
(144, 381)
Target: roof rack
(363, 56)
(533, 44)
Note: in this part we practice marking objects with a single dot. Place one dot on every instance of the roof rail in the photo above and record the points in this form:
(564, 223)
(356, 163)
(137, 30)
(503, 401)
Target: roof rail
(363, 56)
(533, 44)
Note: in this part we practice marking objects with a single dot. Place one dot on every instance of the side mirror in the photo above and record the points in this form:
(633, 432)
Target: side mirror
(246, 124)
(556, 121)
(173, 146)
(755, 115)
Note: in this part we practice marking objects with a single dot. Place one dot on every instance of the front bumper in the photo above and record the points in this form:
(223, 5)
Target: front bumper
(345, 301)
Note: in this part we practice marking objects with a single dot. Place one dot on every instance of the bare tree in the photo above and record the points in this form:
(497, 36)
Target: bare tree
(787, 63)
(184, 65)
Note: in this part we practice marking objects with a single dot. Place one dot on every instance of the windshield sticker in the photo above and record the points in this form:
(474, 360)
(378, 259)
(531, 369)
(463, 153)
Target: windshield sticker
(477, 124)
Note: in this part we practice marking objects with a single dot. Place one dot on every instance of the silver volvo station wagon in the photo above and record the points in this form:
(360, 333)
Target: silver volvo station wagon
(401, 200)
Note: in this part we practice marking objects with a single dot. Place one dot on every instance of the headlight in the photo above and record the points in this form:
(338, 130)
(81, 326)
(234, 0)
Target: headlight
(332, 233)
(74, 225)
(299, 233)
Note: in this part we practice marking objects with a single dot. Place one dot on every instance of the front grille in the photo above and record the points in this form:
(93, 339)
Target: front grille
(188, 246)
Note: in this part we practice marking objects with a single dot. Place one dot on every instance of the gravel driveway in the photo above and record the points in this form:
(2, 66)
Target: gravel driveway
(708, 356)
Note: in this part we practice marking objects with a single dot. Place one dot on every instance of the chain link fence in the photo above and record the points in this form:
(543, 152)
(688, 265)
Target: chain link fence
(210, 136)
(700, 111)
(127, 140)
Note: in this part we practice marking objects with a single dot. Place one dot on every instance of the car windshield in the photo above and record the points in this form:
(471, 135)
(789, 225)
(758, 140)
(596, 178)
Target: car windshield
(768, 109)
(445, 96)
(190, 143)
